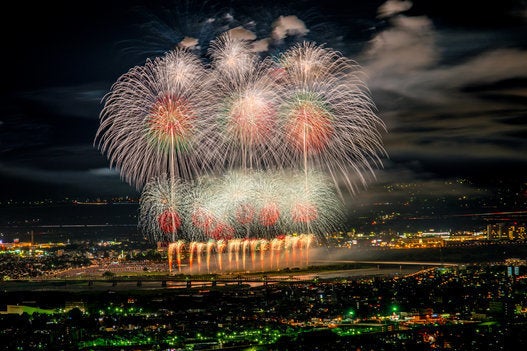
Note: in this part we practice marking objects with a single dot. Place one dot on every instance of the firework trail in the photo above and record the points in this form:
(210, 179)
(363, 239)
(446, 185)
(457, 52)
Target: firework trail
(327, 115)
(162, 209)
(156, 120)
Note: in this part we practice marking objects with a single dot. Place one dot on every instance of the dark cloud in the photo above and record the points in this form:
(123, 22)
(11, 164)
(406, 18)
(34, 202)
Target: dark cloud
(473, 13)
(463, 110)
(60, 183)
(82, 101)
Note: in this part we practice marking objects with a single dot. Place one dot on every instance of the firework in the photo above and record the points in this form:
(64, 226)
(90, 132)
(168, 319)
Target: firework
(237, 154)
(208, 217)
(236, 191)
(242, 254)
(327, 115)
(239, 205)
(222, 207)
(155, 119)
(270, 203)
(162, 209)
(248, 100)
(232, 58)
(312, 205)
(244, 157)
(176, 247)
(172, 116)
(267, 204)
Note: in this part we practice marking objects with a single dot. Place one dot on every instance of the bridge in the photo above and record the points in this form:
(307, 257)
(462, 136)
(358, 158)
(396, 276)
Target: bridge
(394, 263)
(237, 279)
(142, 282)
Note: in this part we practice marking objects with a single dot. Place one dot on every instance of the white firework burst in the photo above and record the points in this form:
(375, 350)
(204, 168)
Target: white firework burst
(248, 98)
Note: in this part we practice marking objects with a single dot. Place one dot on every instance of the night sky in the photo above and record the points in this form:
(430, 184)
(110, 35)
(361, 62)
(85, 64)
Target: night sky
(450, 83)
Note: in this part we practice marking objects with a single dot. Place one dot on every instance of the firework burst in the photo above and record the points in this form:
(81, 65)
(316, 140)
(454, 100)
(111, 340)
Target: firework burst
(247, 110)
(270, 202)
(155, 119)
(239, 205)
(236, 191)
(208, 216)
(327, 115)
(312, 205)
(267, 204)
(162, 209)
(232, 57)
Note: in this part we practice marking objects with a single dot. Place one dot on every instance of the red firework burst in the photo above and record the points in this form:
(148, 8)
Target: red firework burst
(304, 213)
(309, 127)
(169, 221)
(222, 231)
(245, 214)
(269, 215)
(203, 220)
(171, 118)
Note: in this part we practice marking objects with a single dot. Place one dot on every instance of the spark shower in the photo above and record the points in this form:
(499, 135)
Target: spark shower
(242, 155)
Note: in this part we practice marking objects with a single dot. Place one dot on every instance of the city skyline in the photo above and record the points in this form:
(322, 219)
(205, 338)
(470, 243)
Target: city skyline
(449, 86)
